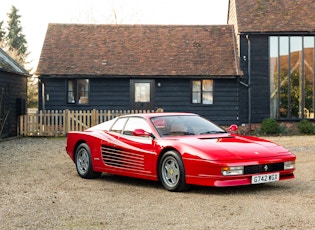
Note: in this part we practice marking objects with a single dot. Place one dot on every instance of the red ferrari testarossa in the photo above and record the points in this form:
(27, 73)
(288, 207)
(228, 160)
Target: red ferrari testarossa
(178, 149)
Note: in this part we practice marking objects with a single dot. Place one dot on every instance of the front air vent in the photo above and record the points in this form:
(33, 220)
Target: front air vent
(253, 169)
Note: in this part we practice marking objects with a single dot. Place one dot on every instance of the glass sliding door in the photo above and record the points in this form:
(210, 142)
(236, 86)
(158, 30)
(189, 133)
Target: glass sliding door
(309, 77)
(284, 79)
(274, 76)
(291, 69)
(296, 78)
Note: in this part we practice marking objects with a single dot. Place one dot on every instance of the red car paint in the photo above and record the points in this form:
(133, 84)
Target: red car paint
(203, 154)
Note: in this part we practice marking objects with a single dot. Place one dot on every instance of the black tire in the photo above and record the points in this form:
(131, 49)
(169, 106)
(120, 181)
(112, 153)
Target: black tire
(172, 172)
(83, 162)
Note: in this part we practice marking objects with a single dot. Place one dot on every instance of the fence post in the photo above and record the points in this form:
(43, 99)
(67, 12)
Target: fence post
(21, 122)
(66, 120)
(94, 117)
(25, 125)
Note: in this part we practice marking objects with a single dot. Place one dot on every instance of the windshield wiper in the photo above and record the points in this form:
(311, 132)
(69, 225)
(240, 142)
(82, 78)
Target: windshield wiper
(178, 133)
(212, 132)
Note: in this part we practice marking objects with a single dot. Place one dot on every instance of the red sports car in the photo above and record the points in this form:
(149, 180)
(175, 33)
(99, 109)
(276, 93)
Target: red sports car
(178, 149)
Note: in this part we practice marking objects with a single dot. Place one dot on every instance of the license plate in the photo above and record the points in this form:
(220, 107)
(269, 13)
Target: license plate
(265, 178)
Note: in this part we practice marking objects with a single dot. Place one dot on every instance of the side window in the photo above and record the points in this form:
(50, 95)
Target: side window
(78, 91)
(119, 125)
(136, 123)
(202, 92)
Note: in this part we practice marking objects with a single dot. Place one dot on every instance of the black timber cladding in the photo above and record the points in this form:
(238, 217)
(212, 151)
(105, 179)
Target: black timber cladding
(259, 74)
(173, 95)
(13, 90)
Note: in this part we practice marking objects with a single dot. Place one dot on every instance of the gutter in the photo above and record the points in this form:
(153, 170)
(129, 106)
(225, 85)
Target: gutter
(249, 83)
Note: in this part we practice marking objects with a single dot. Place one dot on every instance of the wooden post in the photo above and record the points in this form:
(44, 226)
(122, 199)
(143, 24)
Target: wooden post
(94, 117)
(66, 121)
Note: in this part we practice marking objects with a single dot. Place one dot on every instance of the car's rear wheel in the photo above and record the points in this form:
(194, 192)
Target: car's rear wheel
(172, 172)
(83, 162)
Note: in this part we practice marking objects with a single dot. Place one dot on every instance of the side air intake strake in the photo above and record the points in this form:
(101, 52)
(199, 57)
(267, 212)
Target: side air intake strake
(123, 159)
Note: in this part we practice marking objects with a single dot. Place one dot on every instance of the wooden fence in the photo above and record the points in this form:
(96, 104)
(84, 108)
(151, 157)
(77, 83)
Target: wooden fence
(60, 122)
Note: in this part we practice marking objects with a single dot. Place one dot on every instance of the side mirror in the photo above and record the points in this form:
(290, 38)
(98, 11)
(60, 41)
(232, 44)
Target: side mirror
(233, 129)
(141, 133)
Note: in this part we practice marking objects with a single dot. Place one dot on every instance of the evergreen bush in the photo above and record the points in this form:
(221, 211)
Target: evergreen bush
(270, 126)
(305, 127)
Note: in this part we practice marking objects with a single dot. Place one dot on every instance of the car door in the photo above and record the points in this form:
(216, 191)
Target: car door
(130, 155)
(139, 154)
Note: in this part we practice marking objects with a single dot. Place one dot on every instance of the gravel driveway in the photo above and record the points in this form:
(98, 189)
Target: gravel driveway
(40, 189)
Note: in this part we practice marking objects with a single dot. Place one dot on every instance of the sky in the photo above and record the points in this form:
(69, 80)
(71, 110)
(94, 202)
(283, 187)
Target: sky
(37, 14)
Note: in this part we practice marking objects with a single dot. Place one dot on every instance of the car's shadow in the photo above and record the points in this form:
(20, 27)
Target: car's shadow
(147, 184)
(237, 190)
(130, 181)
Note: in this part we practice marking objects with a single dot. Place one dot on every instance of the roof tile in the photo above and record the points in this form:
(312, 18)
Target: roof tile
(138, 50)
(275, 15)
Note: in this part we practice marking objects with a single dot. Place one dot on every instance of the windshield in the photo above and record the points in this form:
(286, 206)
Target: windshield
(180, 125)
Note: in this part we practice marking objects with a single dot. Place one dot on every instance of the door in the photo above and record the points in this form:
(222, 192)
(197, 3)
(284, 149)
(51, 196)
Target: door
(142, 94)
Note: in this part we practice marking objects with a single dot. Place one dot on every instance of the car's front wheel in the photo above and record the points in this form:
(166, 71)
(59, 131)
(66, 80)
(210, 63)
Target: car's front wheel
(172, 172)
(83, 162)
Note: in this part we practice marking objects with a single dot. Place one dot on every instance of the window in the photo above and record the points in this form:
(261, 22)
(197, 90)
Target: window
(202, 92)
(292, 76)
(119, 125)
(78, 91)
(136, 123)
(142, 92)
(127, 125)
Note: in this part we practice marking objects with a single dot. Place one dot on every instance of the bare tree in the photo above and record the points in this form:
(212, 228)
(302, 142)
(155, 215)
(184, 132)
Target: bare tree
(116, 13)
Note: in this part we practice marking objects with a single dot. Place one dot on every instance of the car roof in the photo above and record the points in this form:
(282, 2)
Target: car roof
(163, 114)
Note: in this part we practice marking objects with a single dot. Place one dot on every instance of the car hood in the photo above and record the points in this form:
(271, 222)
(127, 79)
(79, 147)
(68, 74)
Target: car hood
(230, 147)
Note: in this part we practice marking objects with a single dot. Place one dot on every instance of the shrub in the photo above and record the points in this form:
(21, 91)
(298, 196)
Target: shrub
(270, 126)
(283, 129)
(305, 127)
